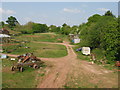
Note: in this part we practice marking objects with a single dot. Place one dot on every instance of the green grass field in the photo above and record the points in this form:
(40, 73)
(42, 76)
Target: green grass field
(39, 49)
(42, 37)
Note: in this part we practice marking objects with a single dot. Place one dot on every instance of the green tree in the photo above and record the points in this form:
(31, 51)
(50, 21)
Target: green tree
(66, 29)
(75, 29)
(102, 32)
(2, 24)
(39, 28)
(94, 18)
(12, 22)
(109, 13)
(52, 28)
(27, 28)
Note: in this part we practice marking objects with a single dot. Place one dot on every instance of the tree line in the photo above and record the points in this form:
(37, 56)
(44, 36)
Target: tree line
(32, 27)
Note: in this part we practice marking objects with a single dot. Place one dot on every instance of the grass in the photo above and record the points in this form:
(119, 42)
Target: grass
(39, 49)
(0, 75)
(17, 79)
(46, 37)
(41, 74)
(77, 82)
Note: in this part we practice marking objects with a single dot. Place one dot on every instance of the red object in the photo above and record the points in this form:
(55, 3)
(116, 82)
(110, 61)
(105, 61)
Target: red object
(25, 59)
(117, 63)
(4, 31)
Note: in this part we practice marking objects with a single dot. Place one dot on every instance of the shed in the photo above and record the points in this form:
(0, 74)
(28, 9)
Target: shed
(4, 38)
(75, 38)
(86, 50)
(3, 56)
(4, 35)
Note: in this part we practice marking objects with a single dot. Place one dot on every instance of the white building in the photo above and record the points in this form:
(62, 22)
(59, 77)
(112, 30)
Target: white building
(75, 38)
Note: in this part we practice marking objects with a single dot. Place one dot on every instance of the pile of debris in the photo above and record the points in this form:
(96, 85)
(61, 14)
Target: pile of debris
(27, 59)
(117, 63)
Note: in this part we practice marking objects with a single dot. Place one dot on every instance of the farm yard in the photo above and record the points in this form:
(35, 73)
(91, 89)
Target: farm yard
(62, 68)
(62, 48)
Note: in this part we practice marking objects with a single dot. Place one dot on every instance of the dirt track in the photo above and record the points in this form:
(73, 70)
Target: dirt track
(69, 66)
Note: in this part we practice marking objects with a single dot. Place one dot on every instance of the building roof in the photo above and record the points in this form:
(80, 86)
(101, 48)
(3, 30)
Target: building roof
(4, 35)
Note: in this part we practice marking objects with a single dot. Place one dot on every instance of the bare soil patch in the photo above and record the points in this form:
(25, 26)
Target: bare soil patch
(32, 36)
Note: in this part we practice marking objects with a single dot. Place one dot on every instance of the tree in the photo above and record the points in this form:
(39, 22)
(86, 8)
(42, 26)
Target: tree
(109, 13)
(64, 25)
(39, 28)
(74, 29)
(94, 18)
(27, 28)
(65, 29)
(12, 22)
(52, 28)
(2, 24)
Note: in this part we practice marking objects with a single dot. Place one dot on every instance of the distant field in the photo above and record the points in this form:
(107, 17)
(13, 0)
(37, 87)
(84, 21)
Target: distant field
(39, 49)
(43, 37)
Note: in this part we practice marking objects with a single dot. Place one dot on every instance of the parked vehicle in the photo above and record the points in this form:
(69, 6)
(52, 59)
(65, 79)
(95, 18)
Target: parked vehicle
(86, 50)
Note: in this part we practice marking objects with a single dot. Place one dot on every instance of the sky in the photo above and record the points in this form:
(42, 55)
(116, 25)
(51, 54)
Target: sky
(55, 13)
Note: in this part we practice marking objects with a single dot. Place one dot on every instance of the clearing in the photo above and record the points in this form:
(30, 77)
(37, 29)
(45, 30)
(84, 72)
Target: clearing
(70, 72)
(64, 69)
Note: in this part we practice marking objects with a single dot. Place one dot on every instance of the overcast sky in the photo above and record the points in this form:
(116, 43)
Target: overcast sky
(57, 13)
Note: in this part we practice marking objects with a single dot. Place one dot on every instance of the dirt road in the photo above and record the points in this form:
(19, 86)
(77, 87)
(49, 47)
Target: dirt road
(72, 71)
(69, 66)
